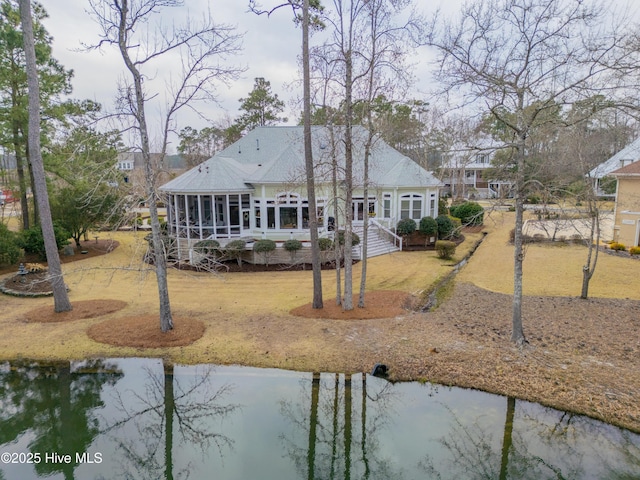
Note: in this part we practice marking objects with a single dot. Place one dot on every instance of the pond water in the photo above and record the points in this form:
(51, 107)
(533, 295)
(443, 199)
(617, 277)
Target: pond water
(140, 418)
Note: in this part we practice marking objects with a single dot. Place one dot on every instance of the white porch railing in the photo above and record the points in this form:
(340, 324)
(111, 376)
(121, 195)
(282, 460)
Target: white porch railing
(385, 232)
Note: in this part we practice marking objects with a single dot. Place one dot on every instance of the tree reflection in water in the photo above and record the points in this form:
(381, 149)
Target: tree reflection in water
(547, 444)
(50, 400)
(193, 402)
(340, 433)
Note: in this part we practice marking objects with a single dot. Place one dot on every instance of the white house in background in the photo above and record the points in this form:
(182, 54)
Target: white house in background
(624, 157)
(256, 188)
(464, 172)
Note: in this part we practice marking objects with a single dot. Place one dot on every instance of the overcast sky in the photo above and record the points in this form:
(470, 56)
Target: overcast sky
(271, 48)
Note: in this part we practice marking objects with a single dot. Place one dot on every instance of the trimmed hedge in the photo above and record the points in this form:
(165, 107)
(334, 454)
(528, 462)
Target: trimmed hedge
(325, 244)
(235, 249)
(428, 226)
(406, 226)
(446, 226)
(292, 246)
(355, 239)
(264, 248)
(207, 247)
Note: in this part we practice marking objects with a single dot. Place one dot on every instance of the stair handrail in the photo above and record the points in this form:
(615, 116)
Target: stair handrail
(396, 239)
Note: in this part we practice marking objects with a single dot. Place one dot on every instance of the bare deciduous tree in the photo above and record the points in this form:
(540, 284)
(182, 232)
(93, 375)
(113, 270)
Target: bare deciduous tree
(520, 59)
(306, 21)
(127, 24)
(60, 297)
(362, 61)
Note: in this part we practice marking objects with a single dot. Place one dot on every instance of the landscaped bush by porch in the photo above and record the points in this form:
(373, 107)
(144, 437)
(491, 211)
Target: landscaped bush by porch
(355, 239)
(446, 226)
(292, 246)
(325, 244)
(208, 247)
(265, 248)
(405, 227)
(235, 249)
(428, 226)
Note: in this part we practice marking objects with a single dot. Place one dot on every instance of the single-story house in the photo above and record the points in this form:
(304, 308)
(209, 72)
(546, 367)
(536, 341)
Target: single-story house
(256, 188)
(626, 228)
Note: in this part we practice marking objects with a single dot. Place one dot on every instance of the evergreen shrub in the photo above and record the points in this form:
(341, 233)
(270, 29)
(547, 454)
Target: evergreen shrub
(406, 226)
(469, 213)
(445, 249)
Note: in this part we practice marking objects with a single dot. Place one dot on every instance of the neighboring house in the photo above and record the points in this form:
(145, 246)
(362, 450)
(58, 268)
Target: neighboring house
(626, 228)
(465, 174)
(131, 165)
(624, 157)
(256, 188)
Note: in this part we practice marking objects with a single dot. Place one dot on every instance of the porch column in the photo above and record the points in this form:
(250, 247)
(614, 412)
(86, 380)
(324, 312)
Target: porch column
(176, 224)
(199, 215)
(214, 216)
(188, 223)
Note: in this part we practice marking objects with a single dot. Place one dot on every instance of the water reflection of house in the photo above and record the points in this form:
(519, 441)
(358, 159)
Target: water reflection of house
(626, 228)
(256, 188)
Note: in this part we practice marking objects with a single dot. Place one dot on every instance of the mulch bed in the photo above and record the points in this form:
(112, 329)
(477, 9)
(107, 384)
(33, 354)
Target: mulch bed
(378, 304)
(144, 332)
(31, 284)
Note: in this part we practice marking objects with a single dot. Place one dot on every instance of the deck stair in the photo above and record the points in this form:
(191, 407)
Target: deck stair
(378, 244)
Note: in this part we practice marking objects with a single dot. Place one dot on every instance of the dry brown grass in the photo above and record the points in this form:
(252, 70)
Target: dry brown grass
(549, 269)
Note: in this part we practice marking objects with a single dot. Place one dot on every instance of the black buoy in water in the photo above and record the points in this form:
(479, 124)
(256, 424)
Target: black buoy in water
(380, 370)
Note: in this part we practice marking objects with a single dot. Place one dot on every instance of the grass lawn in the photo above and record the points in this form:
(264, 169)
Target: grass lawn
(554, 270)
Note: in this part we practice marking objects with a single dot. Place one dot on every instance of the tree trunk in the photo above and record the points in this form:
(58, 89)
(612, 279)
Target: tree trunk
(517, 333)
(20, 162)
(60, 297)
(336, 211)
(160, 261)
(347, 303)
(589, 267)
(308, 163)
(365, 228)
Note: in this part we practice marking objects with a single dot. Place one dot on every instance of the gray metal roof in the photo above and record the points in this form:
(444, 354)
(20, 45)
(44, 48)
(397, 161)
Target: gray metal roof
(627, 155)
(274, 155)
